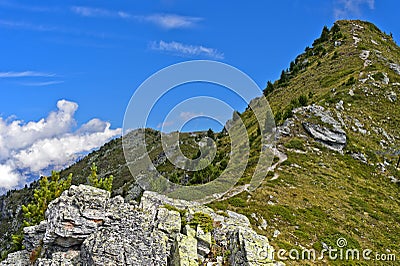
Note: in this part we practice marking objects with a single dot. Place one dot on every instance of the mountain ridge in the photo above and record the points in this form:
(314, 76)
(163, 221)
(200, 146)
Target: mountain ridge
(350, 75)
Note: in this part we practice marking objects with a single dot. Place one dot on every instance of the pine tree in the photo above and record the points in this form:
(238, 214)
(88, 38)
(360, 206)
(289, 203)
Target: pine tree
(103, 183)
(269, 88)
(48, 190)
(210, 134)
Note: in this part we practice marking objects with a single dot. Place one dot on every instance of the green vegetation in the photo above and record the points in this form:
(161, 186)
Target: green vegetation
(182, 213)
(48, 190)
(203, 220)
(295, 143)
(103, 183)
(237, 202)
(34, 212)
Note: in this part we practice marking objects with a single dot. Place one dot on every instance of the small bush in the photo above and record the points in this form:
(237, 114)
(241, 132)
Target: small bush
(295, 143)
(48, 190)
(203, 220)
(103, 183)
(237, 202)
(350, 81)
(303, 100)
(378, 76)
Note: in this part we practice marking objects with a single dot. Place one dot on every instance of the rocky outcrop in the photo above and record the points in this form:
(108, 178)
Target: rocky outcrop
(332, 138)
(395, 68)
(320, 125)
(85, 226)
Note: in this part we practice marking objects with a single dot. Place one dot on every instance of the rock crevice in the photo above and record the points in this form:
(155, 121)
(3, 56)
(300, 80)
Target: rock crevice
(85, 226)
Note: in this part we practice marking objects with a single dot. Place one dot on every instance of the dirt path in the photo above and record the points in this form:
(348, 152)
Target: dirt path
(239, 189)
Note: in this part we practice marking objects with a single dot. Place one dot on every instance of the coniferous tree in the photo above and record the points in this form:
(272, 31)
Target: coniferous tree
(49, 189)
(269, 89)
(103, 183)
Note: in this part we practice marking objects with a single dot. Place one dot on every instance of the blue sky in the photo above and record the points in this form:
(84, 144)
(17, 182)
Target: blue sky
(88, 57)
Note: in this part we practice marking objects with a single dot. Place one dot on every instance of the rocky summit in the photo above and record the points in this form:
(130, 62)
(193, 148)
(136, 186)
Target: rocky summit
(85, 226)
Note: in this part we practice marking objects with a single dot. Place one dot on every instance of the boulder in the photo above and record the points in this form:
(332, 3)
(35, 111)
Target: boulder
(185, 251)
(84, 226)
(249, 249)
(19, 258)
(334, 139)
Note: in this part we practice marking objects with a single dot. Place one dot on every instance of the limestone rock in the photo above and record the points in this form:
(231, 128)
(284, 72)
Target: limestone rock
(33, 235)
(332, 138)
(395, 67)
(248, 248)
(169, 221)
(329, 132)
(69, 258)
(185, 252)
(84, 226)
(19, 258)
(204, 242)
(76, 214)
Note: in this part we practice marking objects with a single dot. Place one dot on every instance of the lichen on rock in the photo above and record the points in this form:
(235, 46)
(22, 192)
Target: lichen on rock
(85, 226)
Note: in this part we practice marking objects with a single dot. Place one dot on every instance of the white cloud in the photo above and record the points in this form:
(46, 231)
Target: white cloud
(33, 147)
(167, 21)
(8, 177)
(170, 21)
(186, 50)
(350, 8)
(43, 83)
(165, 124)
(185, 116)
(25, 25)
(13, 74)
(98, 12)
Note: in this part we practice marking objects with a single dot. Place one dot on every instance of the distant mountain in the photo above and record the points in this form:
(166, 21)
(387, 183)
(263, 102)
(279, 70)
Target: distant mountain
(335, 174)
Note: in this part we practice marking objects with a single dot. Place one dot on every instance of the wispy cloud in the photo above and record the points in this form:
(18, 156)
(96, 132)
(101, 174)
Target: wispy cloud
(185, 116)
(22, 25)
(186, 50)
(98, 12)
(40, 84)
(12, 74)
(165, 124)
(166, 21)
(170, 21)
(344, 9)
(25, 25)
(30, 8)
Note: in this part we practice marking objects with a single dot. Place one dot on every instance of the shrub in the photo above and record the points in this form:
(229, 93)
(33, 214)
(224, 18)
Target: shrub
(103, 183)
(269, 88)
(295, 143)
(17, 242)
(303, 100)
(48, 190)
(237, 202)
(350, 81)
(203, 220)
(378, 76)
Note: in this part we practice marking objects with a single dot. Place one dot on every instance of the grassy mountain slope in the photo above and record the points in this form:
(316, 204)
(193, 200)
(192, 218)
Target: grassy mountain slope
(320, 194)
(317, 195)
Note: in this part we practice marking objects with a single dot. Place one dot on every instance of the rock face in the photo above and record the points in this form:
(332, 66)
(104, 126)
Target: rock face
(320, 125)
(332, 138)
(84, 226)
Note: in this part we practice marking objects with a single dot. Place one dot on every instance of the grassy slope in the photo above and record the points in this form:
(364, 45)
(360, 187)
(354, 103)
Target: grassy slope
(321, 196)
